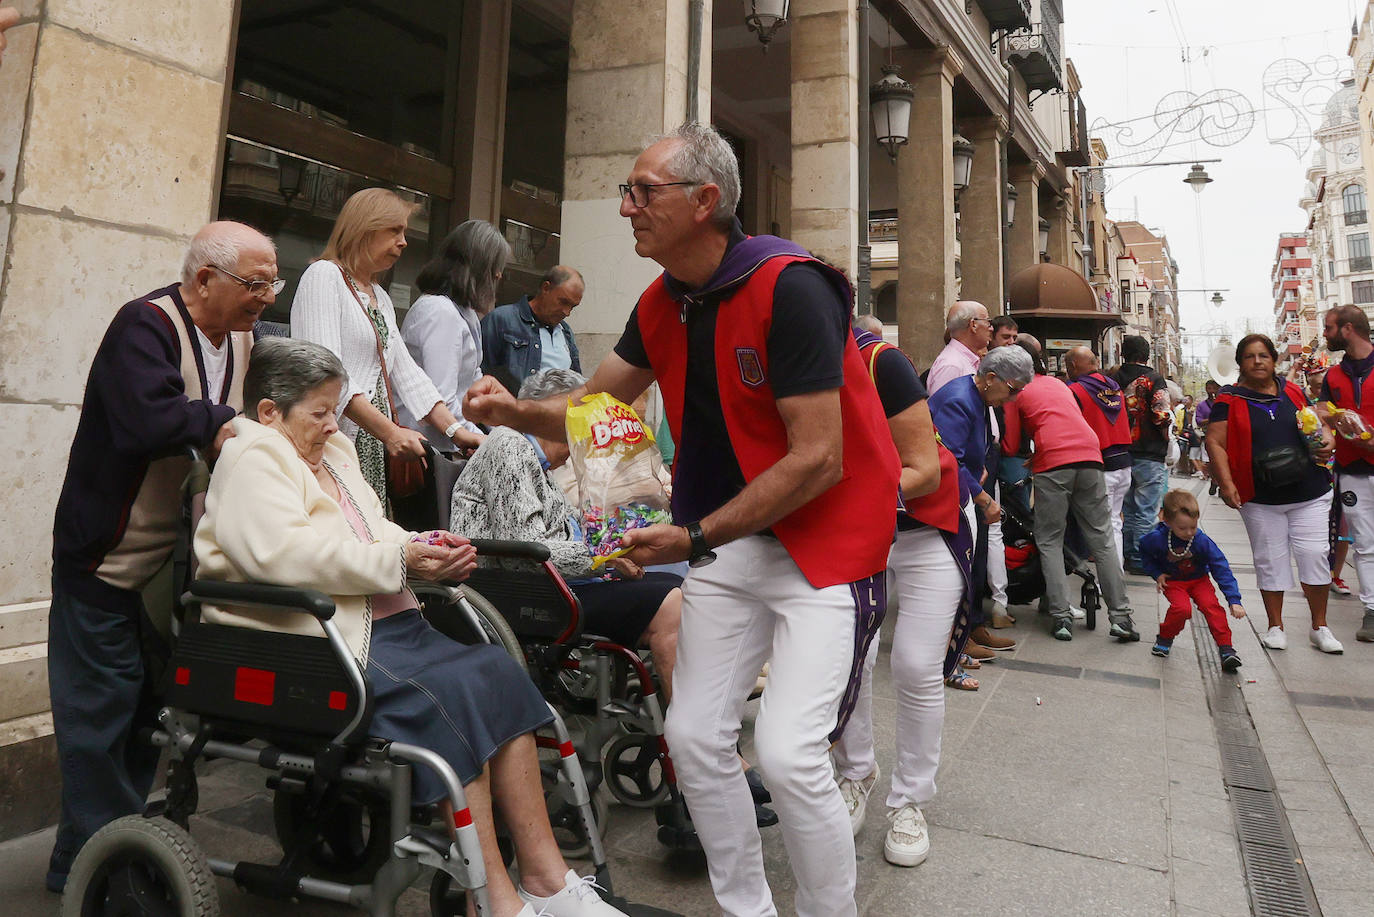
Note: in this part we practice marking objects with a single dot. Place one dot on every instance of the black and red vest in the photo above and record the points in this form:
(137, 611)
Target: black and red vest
(939, 508)
(844, 534)
(1239, 438)
(1342, 389)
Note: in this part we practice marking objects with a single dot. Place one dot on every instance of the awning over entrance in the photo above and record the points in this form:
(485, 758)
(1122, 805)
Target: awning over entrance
(1050, 300)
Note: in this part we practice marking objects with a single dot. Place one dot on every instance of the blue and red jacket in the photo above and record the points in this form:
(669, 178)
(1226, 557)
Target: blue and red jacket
(844, 534)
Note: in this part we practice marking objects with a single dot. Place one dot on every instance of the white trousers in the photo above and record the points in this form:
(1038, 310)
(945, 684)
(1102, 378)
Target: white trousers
(928, 586)
(997, 556)
(1118, 483)
(1359, 515)
(753, 605)
(1300, 530)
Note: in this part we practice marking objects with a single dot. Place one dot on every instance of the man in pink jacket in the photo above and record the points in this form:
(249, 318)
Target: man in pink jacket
(1067, 469)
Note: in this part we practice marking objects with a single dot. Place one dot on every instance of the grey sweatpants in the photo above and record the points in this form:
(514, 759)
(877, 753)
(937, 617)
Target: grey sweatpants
(1084, 492)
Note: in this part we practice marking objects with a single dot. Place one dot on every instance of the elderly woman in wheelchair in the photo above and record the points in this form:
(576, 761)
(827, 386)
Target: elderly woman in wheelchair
(288, 505)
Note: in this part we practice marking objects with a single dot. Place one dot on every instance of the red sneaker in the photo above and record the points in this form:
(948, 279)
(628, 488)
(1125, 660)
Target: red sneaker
(1338, 586)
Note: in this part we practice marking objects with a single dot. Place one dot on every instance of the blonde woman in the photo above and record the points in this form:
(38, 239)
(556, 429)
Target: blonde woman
(340, 305)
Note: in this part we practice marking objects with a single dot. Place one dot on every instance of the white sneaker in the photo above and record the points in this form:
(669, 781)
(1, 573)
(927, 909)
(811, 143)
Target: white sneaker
(577, 899)
(1275, 639)
(855, 794)
(1324, 640)
(1078, 613)
(908, 841)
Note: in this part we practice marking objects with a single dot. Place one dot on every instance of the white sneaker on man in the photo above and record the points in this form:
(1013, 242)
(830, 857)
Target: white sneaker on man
(1324, 640)
(1078, 613)
(908, 840)
(577, 899)
(1275, 639)
(855, 794)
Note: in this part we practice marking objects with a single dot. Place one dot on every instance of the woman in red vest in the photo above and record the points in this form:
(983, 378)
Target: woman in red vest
(1265, 469)
(929, 564)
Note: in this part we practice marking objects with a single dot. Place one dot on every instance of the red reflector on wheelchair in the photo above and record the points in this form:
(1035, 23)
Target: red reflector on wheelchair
(338, 700)
(566, 750)
(183, 676)
(462, 818)
(254, 686)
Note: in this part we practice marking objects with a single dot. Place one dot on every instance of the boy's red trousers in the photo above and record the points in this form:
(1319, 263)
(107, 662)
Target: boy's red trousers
(1181, 595)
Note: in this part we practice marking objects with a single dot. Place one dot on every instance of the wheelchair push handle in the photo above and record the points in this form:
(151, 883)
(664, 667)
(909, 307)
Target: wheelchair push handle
(525, 550)
(310, 601)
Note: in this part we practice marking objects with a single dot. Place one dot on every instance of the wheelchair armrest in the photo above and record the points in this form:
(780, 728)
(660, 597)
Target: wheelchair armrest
(310, 601)
(495, 547)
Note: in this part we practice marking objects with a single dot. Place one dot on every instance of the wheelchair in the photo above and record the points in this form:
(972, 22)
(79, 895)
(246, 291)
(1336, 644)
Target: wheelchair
(606, 691)
(299, 707)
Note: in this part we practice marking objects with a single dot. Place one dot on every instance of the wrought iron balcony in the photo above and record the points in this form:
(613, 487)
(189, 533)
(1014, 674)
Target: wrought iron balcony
(1007, 14)
(1035, 53)
(1078, 152)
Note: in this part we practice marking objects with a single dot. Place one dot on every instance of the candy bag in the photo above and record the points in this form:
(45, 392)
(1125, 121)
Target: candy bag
(1363, 429)
(617, 465)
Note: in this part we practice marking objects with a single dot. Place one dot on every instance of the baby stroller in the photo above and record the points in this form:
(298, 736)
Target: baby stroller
(1025, 575)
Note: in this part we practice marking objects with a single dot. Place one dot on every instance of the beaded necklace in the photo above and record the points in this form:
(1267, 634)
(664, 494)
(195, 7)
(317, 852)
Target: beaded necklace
(1187, 546)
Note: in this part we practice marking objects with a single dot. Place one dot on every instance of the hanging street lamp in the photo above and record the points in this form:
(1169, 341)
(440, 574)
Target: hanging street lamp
(1012, 195)
(1218, 299)
(765, 17)
(963, 162)
(1044, 234)
(890, 101)
(1198, 177)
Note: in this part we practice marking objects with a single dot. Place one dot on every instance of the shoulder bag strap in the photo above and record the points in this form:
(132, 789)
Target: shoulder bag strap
(381, 356)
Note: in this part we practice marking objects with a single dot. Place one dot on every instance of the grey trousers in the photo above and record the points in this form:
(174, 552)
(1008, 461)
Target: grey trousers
(1082, 491)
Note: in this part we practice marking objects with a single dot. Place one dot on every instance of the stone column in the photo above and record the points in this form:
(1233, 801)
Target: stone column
(111, 141)
(980, 214)
(627, 79)
(825, 130)
(1023, 236)
(925, 205)
(481, 116)
(1061, 219)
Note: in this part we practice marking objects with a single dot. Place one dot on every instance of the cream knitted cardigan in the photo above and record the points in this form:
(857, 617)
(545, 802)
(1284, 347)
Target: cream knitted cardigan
(324, 311)
(267, 520)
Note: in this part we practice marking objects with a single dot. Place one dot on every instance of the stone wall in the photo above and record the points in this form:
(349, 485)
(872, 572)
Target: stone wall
(110, 140)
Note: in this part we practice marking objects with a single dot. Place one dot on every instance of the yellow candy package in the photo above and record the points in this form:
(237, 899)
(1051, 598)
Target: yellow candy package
(618, 466)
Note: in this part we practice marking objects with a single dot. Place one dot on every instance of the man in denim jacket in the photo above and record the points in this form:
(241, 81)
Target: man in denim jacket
(521, 338)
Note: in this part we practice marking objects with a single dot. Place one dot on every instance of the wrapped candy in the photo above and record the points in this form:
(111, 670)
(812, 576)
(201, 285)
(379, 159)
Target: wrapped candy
(1362, 433)
(617, 464)
(1310, 426)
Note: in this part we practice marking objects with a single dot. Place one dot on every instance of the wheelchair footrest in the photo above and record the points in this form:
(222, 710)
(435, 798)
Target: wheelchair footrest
(438, 841)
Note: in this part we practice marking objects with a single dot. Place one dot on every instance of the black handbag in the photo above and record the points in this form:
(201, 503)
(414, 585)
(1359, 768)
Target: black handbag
(1281, 466)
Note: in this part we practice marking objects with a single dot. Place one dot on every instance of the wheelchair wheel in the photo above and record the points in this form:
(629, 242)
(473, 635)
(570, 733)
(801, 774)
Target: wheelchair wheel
(634, 773)
(564, 817)
(1092, 600)
(451, 621)
(347, 843)
(136, 865)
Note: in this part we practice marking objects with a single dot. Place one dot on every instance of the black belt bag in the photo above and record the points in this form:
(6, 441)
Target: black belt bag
(1281, 466)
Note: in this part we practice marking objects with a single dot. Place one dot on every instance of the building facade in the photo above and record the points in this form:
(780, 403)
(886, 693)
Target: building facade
(1154, 284)
(126, 126)
(1336, 201)
(1295, 304)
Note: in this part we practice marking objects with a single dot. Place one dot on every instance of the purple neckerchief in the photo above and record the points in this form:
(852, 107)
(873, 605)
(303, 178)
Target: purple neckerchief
(739, 263)
(1106, 394)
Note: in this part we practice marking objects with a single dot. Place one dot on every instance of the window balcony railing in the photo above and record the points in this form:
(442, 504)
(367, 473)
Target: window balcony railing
(1360, 263)
(1035, 53)
(1356, 217)
(1007, 14)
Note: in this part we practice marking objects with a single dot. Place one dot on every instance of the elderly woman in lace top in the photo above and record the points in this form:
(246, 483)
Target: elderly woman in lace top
(506, 492)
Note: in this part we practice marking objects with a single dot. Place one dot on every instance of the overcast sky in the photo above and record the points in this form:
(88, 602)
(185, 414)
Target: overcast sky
(1130, 57)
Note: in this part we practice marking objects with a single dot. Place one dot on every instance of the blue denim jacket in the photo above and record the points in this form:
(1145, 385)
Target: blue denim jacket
(510, 343)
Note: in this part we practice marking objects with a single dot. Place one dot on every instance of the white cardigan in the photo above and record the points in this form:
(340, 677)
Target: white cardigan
(267, 520)
(445, 340)
(324, 311)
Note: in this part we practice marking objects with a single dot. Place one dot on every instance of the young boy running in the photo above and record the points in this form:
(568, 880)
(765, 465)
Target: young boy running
(1180, 557)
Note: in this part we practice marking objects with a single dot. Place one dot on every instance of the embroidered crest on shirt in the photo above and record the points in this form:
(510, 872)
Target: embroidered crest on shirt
(750, 366)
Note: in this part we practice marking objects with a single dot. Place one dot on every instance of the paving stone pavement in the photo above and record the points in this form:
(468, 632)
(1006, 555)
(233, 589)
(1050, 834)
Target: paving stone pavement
(1083, 778)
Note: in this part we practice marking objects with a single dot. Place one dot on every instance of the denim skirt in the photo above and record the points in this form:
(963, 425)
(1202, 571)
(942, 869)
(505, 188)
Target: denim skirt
(462, 702)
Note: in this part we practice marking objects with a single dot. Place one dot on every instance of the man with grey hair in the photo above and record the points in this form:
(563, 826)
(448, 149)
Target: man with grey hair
(768, 401)
(870, 323)
(523, 337)
(970, 334)
(167, 375)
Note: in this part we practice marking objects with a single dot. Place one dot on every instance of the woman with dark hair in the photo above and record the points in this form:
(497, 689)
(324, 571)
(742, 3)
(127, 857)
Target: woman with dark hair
(1265, 468)
(443, 329)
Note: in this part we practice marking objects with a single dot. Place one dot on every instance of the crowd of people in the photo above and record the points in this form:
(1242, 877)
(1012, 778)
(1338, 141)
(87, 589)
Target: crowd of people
(817, 475)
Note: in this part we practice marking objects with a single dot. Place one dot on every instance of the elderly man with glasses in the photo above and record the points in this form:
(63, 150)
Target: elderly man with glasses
(167, 375)
(769, 402)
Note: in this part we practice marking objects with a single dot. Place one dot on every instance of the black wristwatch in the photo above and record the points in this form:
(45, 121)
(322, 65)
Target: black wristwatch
(701, 554)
